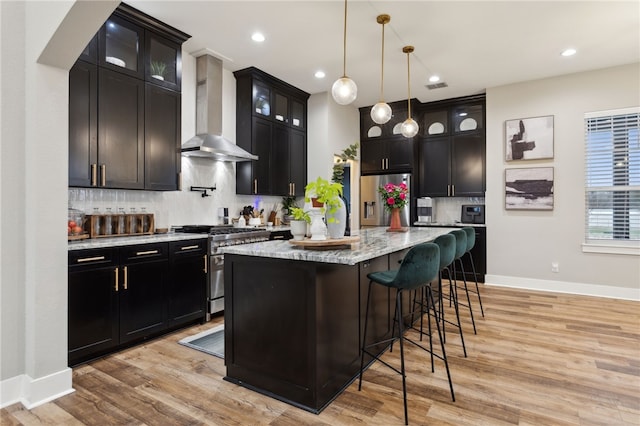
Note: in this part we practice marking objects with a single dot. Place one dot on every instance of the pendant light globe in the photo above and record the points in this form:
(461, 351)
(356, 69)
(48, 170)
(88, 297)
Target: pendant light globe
(344, 91)
(381, 113)
(409, 128)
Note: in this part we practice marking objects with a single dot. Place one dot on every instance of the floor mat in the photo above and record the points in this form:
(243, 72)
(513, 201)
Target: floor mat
(208, 341)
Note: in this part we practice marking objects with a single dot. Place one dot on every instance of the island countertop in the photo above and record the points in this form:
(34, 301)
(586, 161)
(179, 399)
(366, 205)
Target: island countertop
(374, 242)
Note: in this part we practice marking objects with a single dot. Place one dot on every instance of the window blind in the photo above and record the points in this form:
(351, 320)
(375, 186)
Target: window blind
(612, 176)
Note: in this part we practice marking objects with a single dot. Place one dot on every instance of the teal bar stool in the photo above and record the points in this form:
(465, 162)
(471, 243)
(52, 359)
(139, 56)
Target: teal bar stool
(447, 245)
(471, 242)
(461, 249)
(419, 267)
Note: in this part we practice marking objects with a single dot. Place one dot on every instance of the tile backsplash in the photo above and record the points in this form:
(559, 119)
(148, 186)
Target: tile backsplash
(172, 208)
(448, 209)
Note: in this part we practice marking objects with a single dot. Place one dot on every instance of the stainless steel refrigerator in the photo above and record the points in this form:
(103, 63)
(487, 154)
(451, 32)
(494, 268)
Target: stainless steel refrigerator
(372, 211)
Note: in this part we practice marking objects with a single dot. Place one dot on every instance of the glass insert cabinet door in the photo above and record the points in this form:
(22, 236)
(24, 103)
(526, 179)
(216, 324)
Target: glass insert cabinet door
(163, 61)
(121, 45)
(261, 100)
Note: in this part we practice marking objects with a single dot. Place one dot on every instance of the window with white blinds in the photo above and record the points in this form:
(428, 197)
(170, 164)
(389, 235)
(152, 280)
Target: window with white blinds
(612, 177)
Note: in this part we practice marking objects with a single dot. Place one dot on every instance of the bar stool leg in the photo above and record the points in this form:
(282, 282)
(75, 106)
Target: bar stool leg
(466, 290)
(432, 305)
(402, 370)
(475, 277)
(457, 310)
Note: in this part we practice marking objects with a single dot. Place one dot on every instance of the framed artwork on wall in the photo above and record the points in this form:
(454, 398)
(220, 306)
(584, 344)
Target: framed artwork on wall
(529, 188)
(529, 138)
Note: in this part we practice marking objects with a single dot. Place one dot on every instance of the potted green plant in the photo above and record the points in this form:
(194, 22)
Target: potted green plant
(324, 194)
(349, 153)
(299, 223)
(288, 202)
(158, 69)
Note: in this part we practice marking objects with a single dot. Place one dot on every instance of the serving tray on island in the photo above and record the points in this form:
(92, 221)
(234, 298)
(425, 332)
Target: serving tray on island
(330, 243)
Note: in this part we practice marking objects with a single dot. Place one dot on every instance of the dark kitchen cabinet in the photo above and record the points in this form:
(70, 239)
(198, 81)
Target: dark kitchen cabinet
(122, 295)
(271, 118)
(188, 281)
(383, 149)
(386, 155)
(92, 303)
(451, 149)
(162, 138)
(125, 133)
(120, 131)
(83, 124)
(143, 300)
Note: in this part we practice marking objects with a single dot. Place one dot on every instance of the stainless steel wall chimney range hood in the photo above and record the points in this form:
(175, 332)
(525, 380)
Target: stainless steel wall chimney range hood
(208, 141)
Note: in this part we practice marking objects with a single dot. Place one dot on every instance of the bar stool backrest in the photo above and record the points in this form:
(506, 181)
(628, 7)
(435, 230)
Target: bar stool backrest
(461, 242)
(447, 244)
(419, 267)
(471, 237)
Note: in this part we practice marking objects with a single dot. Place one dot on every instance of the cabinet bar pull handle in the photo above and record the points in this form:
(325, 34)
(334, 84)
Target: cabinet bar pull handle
(117, 274)
(453, 190)
(382, 163)
(103, 175)
(94, 174)
(279, 237)
(255, 186)
(90, 259)
(293, 188)
(189, 247)
(179, 181)
(142, 253)
(205, 264)
(124, 285)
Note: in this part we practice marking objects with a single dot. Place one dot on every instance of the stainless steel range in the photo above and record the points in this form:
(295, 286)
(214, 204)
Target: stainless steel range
(221, 236)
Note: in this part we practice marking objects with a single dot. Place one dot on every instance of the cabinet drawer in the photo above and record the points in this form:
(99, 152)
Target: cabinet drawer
(144, 252)
(92, 258)
(188, 248)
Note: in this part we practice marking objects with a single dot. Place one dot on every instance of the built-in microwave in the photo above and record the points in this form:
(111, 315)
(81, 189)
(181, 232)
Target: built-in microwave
(473, 213)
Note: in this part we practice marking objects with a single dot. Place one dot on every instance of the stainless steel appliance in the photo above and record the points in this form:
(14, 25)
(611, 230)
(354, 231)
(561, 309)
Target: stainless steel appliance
(221, 236)
(372, 211)
(473, 213)
(424, 208)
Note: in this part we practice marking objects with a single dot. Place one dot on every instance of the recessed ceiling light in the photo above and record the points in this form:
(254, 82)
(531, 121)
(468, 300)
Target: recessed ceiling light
(319, 74)
(257, 37)
(434, 78)
(568, 52)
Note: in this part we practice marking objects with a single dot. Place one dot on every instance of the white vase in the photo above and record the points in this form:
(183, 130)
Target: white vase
(318, 228)
(337, 221)
(298, 229)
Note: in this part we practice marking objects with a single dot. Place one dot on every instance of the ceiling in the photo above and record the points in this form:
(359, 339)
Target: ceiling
(471, 45)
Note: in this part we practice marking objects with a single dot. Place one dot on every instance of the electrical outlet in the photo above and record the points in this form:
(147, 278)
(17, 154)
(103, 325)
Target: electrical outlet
(555, 267)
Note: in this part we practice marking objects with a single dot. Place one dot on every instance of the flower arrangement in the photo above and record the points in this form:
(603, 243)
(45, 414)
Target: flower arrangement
(394, 196)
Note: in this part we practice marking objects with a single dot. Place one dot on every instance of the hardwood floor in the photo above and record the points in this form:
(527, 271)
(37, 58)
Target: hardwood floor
(538, 359)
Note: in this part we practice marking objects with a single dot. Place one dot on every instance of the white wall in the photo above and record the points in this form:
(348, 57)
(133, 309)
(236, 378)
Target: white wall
(33, 195)
(521, 245)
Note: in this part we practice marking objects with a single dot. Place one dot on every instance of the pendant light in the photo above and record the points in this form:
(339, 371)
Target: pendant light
(344, 90)
(409, 126)
(381, 112)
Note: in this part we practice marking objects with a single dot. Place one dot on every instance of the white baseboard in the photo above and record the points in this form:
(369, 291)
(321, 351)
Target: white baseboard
(33, 392)
(564, 287)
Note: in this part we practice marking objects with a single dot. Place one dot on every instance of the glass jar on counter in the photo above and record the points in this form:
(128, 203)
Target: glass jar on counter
(95, 222)
(108, 221)
(75, 222)
(122, 221)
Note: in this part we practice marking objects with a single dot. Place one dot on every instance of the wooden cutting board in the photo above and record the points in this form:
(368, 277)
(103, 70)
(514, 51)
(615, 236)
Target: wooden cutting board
(328, 243)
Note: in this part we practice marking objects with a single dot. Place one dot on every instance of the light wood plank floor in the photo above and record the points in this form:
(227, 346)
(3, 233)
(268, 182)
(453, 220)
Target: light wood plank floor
(538, 359)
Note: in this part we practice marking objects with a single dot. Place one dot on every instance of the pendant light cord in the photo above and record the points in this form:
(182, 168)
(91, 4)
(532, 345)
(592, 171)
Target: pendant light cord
(344, 42)
(408, 85)
(382, 69)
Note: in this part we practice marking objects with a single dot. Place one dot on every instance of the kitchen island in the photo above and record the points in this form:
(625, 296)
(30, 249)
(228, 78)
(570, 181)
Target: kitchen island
(294, 317)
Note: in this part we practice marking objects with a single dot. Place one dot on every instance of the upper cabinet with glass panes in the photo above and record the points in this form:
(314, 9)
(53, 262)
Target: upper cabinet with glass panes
(138, 45)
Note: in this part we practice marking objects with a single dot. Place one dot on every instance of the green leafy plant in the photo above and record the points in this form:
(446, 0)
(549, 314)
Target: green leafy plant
(158, 68)
(349, 153)
(326, 193)
(288, 202)
(299, 214)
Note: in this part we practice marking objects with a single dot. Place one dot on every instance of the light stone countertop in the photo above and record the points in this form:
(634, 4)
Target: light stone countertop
(93, 243)
(374, 242)
(450, 224)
